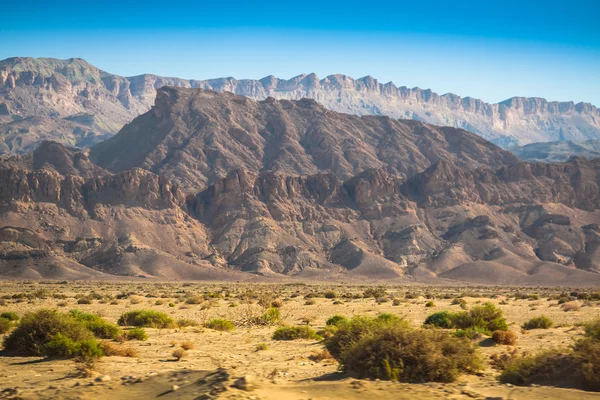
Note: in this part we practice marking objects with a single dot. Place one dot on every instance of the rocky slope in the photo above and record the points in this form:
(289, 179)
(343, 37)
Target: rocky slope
(297, 190)
(77, 104)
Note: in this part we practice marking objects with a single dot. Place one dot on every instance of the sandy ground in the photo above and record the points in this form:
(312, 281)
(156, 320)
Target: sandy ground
(283, 370)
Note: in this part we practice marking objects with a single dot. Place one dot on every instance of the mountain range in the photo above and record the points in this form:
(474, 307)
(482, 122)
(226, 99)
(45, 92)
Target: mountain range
(77, 104)
(209, 185)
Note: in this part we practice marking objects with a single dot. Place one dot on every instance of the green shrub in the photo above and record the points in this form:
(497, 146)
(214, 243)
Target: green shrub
(147, 319)
(336, 320)
(442, 319)
(11, 316)
(5, 325)
(272, 315)
(388, 318)
(487, 317)
(219, 324)
(137, 334)
(99, 327)
(430, 304)
(50, 333)
(530, 369)
(475, 333)
(592, 329)
(541, 322)
(295, 332)
(356, 328)
(394, 351)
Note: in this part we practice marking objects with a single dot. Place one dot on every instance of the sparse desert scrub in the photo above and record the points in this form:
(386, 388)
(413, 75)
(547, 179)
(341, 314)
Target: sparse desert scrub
(261, 347)
(321, 355)
(368, 348)
(336, 320)
(112, 349)
(568, 307)
(185, 322)
(541, 322)
(295, 332)
(219, 324)
(187, 345)
(147, 319)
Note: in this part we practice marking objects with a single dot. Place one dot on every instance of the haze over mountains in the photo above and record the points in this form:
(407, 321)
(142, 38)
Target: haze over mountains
(212, 186)
(77, 104)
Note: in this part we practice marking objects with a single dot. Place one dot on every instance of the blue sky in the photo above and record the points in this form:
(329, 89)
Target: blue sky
(488, 50)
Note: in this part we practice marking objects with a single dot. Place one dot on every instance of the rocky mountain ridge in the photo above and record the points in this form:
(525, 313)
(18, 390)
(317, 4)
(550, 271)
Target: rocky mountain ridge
(77, 104)
(218, 186)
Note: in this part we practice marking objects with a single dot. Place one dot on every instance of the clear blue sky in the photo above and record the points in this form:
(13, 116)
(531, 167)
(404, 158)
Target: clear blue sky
(490, 50)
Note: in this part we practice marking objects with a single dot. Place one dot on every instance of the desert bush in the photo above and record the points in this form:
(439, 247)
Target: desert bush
(219, 324)
(328, 331)
(336, 320)
(508, 338)
(295, 332)
(111, 349)
(5, 325)
(441, 319)
(356, 328)
(9, 315)
(571, 307)
(310, 302)
(50, 333)
(319, 356)
(261, 347)
(99, 327)
(462, 303)
(541, 322)
(529, 369)
(375, 292)
(394, 351)
(499, 361)
(185, 322)
(187, 345)
(137, 334)
(396, 302)
(147, 319)
(592, 329)
(475, 333)
(487, 317)
(430, 304)
(272, 315)
(84, 300)
(178, 354)
(277, 303)
(330, 294)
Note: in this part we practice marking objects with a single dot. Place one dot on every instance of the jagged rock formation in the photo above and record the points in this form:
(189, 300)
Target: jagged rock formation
(148, 203)
(77, 104)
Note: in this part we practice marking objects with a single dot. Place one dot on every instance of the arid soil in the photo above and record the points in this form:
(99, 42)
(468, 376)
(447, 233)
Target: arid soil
(284, 369)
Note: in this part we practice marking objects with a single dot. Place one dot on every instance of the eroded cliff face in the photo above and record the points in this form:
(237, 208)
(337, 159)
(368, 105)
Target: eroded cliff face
(77, 104)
